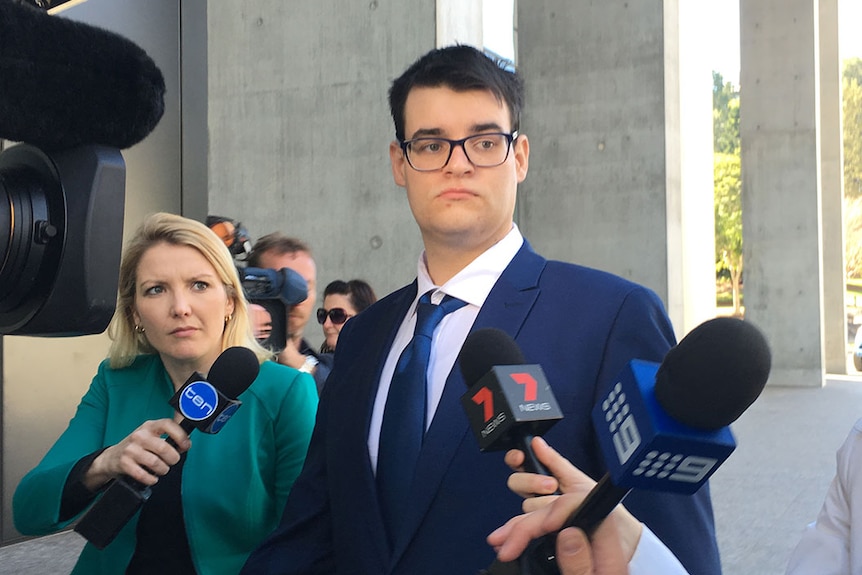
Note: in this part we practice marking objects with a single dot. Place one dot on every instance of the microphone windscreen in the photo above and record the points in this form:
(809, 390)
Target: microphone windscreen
(66, 84)
(714, 374)
(233, 371)
(485, 348)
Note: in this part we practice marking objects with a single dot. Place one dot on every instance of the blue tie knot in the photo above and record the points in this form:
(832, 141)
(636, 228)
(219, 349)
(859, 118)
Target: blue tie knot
(428, 315)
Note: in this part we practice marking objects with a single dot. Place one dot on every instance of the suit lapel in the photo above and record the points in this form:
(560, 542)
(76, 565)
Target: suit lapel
(357, 390)
(506, 308)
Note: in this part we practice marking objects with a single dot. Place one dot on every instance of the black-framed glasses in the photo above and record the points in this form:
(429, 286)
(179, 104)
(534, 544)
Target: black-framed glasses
(336, 314)
(482, 150)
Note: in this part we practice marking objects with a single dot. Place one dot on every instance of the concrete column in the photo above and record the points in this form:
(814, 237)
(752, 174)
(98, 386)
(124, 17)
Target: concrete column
(779, 132)
(832, 185)
(607, 124)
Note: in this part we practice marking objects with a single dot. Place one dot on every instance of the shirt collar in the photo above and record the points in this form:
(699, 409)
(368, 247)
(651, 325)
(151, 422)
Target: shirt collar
(473, 283)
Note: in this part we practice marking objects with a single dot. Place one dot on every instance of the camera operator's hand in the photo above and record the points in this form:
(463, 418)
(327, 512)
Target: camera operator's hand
(143, 455)
(290, 354)
(614, 542)
(261, 321)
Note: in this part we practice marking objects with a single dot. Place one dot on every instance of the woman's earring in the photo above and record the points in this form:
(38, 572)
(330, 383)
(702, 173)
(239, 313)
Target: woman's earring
(139, 328)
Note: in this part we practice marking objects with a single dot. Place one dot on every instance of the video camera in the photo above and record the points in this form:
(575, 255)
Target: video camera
(75, 95)
(58, 262)
(274, 290)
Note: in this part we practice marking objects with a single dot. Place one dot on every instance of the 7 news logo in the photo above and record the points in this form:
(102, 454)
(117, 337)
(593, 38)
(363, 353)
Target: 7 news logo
(485, 397)
(507, 402)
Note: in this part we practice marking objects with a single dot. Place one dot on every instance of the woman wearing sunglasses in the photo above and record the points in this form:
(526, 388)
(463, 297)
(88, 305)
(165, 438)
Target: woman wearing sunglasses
(341, 301)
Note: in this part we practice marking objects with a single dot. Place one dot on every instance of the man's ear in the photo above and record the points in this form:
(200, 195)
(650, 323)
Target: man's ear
(399, 164)
(522, 157)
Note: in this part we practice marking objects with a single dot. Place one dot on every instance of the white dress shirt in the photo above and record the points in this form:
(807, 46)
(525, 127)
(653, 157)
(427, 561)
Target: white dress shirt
(472, 285)
(832, 545)
(653, 558)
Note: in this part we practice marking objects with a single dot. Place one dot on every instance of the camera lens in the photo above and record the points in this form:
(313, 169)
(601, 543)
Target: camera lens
(31, 218)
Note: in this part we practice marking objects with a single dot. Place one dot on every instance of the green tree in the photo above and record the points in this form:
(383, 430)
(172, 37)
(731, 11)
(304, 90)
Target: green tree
(728, 221)
(852, 93)
(725, 116)
(853, 236)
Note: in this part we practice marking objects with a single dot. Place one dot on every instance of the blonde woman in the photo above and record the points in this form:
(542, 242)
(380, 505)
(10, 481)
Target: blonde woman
(214, 497)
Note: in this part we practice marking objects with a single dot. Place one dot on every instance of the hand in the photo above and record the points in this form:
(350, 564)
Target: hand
(615, 540)
(575, 554)
(290, 354)
(143, 455)
(261, 321)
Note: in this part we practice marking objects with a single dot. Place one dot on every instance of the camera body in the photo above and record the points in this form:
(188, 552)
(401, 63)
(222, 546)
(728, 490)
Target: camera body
(275, 291)
(61, 233)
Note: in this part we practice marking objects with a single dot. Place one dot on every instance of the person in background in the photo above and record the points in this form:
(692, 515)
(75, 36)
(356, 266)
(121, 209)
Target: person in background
(214, 497)
(832, 545)
(341, 301)
(394, 483)
(276, 251)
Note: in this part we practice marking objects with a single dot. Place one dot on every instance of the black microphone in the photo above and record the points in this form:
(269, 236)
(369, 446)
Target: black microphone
(508, 403)
(206, 405)
(67, 84)
(664, 427)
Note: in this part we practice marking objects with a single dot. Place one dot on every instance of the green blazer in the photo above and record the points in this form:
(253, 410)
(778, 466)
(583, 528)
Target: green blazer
(234, 483)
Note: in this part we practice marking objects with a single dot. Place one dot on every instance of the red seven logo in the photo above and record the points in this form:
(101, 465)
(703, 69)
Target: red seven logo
(530, 385)
(485, 398)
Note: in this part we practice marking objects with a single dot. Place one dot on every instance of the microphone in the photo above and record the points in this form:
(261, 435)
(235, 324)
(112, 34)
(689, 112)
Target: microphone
(664, 427)
(508, 403)
(206, 405)
(66, 84)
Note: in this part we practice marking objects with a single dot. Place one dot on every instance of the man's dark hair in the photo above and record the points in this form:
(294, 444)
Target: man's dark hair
(460, 68)
(278, 243)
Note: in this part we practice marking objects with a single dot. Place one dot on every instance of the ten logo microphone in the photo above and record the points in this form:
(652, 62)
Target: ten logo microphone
(205, 405)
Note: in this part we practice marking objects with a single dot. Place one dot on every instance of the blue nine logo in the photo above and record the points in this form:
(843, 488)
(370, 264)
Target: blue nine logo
(198, 400)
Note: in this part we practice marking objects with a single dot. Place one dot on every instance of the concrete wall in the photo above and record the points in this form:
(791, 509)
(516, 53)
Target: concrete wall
(609, 118)
(300, 127)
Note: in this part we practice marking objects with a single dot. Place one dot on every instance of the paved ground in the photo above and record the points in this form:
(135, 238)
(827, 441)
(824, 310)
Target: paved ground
(764, 495)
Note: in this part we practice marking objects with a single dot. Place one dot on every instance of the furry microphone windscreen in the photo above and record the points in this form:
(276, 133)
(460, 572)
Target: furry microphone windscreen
(64, 84)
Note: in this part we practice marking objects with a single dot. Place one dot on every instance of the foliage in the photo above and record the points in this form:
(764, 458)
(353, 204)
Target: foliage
(852, 92)
(728, 220)
(853, 236)
(725, 116)
(727, 185)
(852, 120)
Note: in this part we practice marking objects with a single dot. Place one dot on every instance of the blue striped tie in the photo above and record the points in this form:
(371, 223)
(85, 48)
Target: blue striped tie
(403, 424)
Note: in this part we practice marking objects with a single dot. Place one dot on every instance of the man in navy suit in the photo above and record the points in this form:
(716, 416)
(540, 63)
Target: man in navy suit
(459, 156)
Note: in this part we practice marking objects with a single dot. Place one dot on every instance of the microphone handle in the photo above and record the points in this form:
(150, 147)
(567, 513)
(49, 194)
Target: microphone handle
(540, 558)
(598, 504)
(188, 425)
(121, 500)
(531, 462)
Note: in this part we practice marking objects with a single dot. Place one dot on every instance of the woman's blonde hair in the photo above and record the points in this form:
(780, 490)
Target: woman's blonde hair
(159, 228)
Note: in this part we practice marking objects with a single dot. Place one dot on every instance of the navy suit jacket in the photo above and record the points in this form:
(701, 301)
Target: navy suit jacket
(582, 326)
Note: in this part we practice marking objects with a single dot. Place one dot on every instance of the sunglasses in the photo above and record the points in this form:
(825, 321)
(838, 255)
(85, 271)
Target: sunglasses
(336, 314)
